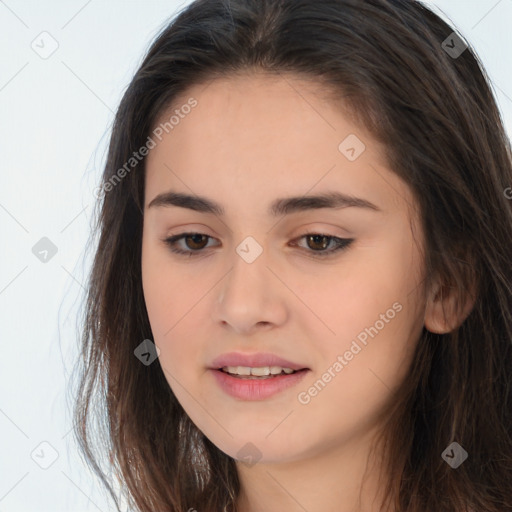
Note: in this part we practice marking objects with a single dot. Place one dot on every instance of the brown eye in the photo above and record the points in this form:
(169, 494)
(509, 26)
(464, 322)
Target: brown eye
(319, 242)
(196, 243)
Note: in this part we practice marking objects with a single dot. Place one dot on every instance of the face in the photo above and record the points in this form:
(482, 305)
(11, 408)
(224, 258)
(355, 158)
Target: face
(332, 289)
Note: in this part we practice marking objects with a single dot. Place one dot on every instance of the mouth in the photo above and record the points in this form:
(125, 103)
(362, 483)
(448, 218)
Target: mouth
(262, 373)
(263, 364)
(255, 376)
(251, 387)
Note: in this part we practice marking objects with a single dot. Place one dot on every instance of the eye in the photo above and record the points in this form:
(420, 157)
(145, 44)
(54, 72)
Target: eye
(197, 242)
(319, 242)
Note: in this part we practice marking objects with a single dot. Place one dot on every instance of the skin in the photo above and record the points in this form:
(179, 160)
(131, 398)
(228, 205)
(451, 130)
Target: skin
(250, 140)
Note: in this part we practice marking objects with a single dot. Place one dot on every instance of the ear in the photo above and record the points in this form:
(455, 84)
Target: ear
(447, 307)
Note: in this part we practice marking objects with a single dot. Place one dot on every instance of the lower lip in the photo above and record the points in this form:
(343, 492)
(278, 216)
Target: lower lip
(256, 389)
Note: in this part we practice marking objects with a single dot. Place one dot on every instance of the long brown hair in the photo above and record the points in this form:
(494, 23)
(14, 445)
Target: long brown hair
(436, 114)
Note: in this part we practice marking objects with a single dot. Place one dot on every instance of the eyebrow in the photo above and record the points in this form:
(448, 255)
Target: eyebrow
(283, 206)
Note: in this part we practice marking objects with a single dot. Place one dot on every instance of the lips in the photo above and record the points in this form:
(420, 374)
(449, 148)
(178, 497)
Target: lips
(254, 361)
(249, 390)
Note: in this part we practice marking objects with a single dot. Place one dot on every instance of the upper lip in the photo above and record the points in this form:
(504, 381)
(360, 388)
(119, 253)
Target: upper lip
(258, 360)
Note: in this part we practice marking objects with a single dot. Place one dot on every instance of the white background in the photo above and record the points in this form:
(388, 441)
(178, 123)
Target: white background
(55, 116)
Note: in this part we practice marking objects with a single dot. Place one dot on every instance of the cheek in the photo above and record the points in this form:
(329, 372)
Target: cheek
(163, 296)
(351, 297)
(173, 303)
(374, 311)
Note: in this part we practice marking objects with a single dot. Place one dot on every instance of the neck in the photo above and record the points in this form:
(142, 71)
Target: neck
(330, 481)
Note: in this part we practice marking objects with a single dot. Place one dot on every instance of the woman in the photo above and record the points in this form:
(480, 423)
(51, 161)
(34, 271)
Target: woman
(301, 297)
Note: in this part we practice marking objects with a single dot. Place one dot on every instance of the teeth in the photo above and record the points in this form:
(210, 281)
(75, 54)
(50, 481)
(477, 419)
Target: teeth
(258, 372)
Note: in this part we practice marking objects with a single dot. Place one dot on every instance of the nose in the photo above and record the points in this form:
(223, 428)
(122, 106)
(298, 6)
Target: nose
(250, 297)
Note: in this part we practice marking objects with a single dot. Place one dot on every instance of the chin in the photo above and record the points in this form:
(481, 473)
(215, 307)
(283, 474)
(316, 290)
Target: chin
(258, 450)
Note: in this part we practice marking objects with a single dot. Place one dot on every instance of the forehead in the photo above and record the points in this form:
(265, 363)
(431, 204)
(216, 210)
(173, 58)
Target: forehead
(261, 134)
(273, 107)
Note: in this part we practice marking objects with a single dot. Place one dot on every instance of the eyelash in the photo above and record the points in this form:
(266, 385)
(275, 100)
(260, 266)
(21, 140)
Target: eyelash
(341, 244)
